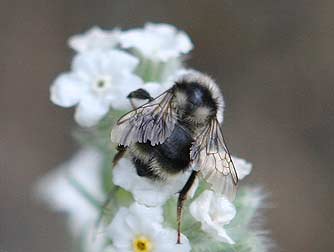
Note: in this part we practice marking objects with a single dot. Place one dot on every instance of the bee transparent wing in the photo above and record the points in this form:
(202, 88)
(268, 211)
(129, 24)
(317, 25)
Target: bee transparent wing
(153, 121)
(213, 161)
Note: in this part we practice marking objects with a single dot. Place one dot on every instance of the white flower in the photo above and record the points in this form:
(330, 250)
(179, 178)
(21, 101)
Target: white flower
(98, 80)
(145, 190)
(59, 191)
(95, 38)
(160, 42)
(213, 211)
(139, 229)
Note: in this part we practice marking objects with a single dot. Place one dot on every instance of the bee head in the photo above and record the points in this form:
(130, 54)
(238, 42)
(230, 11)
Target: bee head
(194, 102)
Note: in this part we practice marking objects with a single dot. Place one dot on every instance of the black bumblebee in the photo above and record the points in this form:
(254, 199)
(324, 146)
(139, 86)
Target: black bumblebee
(177, 131)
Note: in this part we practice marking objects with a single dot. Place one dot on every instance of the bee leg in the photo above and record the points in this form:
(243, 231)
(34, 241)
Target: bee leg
(120, 153)
(180, 202)
(141, 94)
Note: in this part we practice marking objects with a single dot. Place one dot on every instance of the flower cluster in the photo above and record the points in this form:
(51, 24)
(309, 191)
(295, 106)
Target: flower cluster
(112, 208)
(110, 64)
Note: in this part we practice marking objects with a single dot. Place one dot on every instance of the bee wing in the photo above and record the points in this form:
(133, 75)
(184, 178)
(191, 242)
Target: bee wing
(153, 121)
(213, 160)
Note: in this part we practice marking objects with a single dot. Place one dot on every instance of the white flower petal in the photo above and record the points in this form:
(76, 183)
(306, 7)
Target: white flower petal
(153, 213)
(121, 61)
(96, 62)
(145, 190)
(66, 90)
(90, 110)
(218, 233)
(87, 63)
(213, 211)
(160, 42)
(199, 207)
(243, 167)
(94, 38)
(118, 230)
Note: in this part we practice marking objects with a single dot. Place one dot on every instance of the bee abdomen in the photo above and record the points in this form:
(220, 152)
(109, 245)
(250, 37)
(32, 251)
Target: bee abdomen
(144, 169)
(170, 157)
(173, 155)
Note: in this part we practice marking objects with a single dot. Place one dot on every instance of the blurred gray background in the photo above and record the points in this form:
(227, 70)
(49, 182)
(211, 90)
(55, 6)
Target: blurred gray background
(274, 60)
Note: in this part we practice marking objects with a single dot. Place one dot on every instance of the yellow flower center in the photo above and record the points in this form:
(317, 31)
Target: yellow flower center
(142, 244)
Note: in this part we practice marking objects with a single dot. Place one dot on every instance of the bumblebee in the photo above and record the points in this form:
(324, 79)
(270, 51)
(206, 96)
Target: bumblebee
(177, 131)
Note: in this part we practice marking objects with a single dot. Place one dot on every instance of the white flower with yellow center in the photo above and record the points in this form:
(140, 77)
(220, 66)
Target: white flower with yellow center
(147, 191)
(158, 42)
(94, 38)
(139, 229)
(214, 211)
(98, 80)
